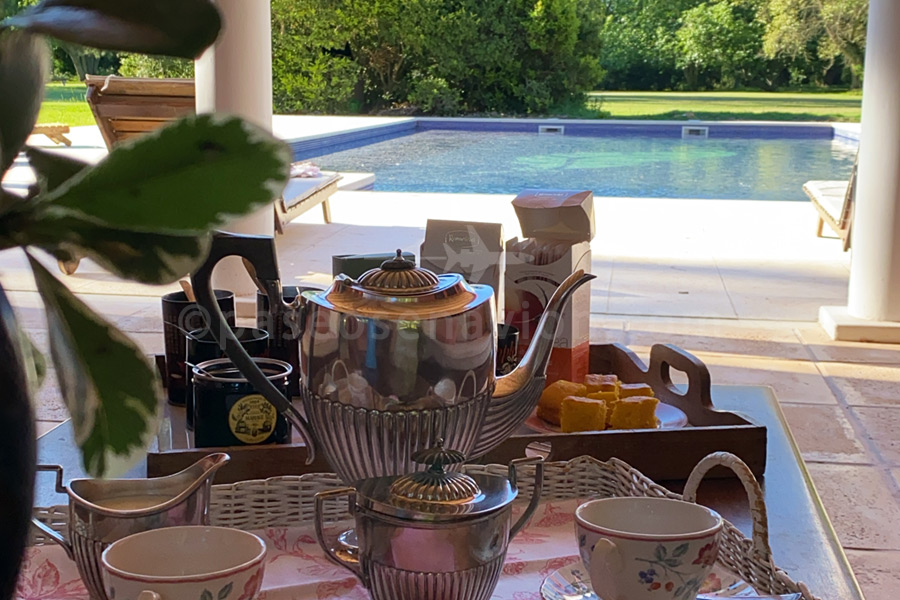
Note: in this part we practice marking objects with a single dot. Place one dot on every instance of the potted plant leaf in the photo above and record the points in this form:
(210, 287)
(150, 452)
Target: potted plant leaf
(145, 213)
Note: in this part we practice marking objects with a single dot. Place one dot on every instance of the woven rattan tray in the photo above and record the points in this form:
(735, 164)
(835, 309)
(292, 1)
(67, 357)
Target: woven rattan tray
(290, 500)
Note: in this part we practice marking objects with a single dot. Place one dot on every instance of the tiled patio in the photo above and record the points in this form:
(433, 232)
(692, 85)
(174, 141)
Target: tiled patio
(737, 283)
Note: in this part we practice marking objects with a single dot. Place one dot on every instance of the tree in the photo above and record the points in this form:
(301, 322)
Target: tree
(826, 29)
(639, 45)
(723, 39)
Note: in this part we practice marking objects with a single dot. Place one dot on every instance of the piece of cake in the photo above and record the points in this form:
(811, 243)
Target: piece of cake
(601, 383)
(582, 414)
(609, 398)
(551, 399)
(629, 390)
(637, 412)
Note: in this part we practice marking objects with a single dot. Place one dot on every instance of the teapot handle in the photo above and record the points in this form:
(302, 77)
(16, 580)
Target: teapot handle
(348, 560)
(260, 252)
(535, 493)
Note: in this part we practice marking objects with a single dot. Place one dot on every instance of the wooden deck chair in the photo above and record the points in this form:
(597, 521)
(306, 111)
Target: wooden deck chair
(127, 107)
(56, 132)
(834, 199)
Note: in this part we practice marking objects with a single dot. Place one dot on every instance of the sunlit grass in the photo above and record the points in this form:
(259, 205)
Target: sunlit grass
(769, 106)
(65, 104)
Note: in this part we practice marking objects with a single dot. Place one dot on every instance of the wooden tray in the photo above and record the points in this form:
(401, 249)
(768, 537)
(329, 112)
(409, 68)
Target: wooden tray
(661, 454)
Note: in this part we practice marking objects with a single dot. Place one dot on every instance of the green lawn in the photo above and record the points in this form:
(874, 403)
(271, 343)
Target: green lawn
(716, 106)
(65, 103)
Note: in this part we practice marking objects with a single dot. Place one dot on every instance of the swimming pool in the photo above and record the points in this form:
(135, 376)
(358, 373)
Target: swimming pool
(642, 166)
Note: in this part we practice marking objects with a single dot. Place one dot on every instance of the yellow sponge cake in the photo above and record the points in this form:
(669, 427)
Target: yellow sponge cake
(601, 383)
(552, 398)
(628, 390)
(637, 412)
(582, 414)
(610, 398)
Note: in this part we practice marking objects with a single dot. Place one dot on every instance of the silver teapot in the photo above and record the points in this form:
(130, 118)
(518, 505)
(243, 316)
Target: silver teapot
(392, 361)
(430, 535)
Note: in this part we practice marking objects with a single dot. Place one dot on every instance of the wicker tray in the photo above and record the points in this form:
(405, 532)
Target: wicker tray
(662, 454)
(290, 500)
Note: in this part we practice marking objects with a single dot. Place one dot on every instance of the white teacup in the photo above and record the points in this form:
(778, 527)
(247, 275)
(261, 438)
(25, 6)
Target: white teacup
(185, 563)
(647, 548)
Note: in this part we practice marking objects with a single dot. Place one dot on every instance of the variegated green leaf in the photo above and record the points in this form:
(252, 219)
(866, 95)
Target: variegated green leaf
(154, 258)
(35, 363)
(173, 27)
(24, 67)
(53, 169)
(110, 388)
(194, 175)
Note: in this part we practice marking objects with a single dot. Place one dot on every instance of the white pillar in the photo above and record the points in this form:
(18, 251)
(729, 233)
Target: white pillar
(873, 311)
(235, 76)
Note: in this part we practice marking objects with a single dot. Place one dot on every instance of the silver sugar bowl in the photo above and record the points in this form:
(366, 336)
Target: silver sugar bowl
(431, 535)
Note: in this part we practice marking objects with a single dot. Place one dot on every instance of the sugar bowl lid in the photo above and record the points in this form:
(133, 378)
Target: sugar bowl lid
(435, 494)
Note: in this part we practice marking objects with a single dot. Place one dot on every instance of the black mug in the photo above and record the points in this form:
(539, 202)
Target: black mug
(181, 316)
(202, 346)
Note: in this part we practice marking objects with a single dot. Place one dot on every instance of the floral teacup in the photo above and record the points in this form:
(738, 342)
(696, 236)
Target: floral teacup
(647, 548)
(185, 563)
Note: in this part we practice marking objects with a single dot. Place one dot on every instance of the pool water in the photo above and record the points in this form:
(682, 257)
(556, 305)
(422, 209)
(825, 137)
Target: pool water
(506, 163)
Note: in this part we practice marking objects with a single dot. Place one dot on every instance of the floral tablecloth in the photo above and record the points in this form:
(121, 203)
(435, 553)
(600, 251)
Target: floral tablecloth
(297, 569)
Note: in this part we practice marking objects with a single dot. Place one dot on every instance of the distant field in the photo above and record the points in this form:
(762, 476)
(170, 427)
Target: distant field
(65, 104)
(724, 106)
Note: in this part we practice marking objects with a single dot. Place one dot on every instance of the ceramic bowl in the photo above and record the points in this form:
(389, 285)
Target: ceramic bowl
(185, 563)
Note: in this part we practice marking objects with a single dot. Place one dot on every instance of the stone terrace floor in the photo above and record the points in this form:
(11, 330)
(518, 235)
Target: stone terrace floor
(737, 283)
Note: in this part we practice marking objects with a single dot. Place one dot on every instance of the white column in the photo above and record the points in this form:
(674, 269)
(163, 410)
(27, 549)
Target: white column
(235, 76)
(873, 311)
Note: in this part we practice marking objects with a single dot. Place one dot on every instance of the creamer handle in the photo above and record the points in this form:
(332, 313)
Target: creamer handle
(45, 529)
(343, 558)
(538, 463)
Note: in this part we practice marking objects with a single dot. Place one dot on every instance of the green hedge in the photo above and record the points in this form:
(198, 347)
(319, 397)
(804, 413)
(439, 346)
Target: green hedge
(440, 56)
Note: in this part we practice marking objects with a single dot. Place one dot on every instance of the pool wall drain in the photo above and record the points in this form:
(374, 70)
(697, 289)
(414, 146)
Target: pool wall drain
(551, 130)
(694, 132)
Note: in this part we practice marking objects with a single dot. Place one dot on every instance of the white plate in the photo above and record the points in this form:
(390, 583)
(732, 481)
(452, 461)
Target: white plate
(572, 583)
(669, 418)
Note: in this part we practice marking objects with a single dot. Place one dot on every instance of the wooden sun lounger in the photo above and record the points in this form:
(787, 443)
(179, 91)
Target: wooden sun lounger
(128, 107)
(55, 131)
(125, 108)
(833, 199)
(302, 194)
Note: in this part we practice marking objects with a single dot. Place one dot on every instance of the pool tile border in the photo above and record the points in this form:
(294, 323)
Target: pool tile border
(313, 146)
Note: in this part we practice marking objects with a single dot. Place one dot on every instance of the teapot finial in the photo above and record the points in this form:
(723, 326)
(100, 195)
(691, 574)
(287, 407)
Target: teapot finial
(435, 458)
(435, 484)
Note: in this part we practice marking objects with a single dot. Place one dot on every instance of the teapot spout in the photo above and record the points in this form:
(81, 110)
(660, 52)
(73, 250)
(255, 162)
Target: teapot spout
(516, 394)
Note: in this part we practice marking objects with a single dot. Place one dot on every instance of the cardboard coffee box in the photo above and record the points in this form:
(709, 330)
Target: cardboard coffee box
(474, 250)
(557, 226)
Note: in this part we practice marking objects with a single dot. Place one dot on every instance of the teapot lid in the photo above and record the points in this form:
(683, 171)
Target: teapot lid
(399, 276)
(399, 290)
(435, 494)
